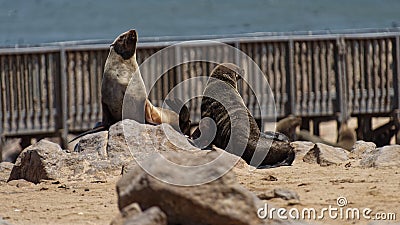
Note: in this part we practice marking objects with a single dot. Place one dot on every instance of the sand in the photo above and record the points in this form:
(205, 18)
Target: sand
(81, 202)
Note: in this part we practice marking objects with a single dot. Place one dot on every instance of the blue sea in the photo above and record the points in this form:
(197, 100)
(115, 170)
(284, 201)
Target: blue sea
(26, 22)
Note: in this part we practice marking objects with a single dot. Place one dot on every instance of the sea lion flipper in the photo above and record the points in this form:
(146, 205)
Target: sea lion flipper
(152, 114)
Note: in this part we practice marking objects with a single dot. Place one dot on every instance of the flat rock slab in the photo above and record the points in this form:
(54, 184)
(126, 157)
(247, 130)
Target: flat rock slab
(387, 156)
(326, 155)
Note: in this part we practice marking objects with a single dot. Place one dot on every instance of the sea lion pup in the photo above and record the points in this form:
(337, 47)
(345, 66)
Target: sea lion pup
(346, 137)
(288, 125)
(247, 141)
(122, 79)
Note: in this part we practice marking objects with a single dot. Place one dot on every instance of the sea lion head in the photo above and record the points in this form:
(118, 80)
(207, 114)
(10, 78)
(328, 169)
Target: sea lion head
(228, 72)
(125, 44)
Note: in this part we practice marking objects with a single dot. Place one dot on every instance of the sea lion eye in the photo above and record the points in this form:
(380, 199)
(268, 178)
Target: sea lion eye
(237, 76)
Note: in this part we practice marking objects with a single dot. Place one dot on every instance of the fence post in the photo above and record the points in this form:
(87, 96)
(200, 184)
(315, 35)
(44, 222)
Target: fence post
(64, 98)
(292, 83)
(342, 92)
(178, 69)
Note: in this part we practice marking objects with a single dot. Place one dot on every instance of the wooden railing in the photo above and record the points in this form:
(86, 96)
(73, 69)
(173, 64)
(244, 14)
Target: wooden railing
(54, 90)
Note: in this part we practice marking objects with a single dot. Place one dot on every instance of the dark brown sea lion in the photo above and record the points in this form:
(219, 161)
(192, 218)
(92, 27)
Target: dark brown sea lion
(236, 129)
(288, 125)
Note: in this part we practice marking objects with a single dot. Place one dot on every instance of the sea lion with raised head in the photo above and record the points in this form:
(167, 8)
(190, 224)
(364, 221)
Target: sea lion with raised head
(122, 81)
(120, 71)
(232, 117)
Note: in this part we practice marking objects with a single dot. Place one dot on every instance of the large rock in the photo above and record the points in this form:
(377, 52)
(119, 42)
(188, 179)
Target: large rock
(387, 156)
(221, 201)
(43, 160)
(326, 155)
(361, 147)
(144, 140)
(96, 159)
(301, 148)
(93, 145)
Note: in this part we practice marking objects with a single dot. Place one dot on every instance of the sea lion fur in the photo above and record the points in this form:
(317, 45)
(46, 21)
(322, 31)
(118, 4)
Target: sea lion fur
(245, 134)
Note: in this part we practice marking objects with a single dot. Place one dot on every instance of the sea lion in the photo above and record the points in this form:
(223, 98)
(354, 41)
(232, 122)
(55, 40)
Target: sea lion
(346, 137)
(121, 82)
(230, 119)
(288, 126)
(120, 71)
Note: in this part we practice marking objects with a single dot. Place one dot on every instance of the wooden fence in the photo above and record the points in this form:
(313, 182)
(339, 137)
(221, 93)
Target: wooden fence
(54, 90)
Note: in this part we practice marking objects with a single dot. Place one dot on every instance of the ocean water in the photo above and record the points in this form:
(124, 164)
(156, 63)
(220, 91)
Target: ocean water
(43, 21)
